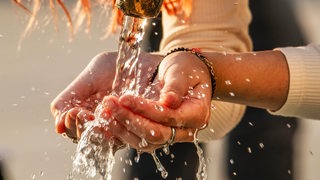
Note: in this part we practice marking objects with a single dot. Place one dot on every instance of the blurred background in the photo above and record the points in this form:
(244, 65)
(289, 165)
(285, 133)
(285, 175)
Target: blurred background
(32, 76)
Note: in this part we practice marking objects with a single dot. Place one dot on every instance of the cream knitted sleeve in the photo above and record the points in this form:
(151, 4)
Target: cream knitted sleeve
(304, 89)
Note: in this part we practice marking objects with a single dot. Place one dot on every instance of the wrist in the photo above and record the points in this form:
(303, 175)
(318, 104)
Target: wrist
(199, 56)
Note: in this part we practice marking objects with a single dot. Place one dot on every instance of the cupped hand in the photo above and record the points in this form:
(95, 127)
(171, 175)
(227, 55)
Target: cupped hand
(76, 104)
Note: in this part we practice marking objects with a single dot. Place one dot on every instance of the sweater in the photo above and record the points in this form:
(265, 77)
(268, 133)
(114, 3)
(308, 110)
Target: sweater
(303, 99)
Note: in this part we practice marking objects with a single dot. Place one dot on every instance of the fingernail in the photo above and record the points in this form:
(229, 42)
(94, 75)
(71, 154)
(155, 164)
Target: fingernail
(170, 99)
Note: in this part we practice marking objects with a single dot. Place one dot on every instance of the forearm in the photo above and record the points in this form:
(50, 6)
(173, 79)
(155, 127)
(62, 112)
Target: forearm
(259, 79)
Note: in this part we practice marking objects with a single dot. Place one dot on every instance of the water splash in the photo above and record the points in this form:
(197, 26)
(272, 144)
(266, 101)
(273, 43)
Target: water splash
(94, 154)
(95, 151)
(202, 169)
(164, 172)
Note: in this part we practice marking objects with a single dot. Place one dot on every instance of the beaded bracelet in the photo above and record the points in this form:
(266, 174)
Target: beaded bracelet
(196, 52)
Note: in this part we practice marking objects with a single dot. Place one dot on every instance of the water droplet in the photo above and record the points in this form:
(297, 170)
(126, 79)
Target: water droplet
(190, 133)
(33, 176)
(154, 24)
(127, 121)
(156, 33)
(238, 142)
(164, 174)
(234, 173)
(254, 54)
(190, 92)
(172, 156)
(212, 130)
(185, 163)
(158, 107)
(249, 150)
(250, 123)
(152, 132)
(143, 143)
(231, 161)
(135, 178)
(201, 95)
(166, 149)
(248, 80)
(261, 145)
(289, 171)
(238, 58)
(160, 167)
(204, 86)
(232, 94)
(128, 162)
(228, 82)
(213, 107)
(288, 125)
(137, 158)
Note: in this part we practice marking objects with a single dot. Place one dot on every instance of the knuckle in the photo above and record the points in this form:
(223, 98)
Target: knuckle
(155, 137)
(170, 120)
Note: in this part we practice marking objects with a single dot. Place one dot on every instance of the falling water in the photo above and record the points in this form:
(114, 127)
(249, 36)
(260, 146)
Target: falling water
(95, 152)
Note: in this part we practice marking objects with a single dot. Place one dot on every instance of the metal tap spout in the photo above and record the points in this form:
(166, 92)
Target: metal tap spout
(140, 8)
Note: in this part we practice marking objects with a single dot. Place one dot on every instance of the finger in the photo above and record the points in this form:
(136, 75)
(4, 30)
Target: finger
(134, 141)
(149, 130)
(143, 134)
(75, 118)
(175, 87)
(134, 122)
(193, 112)
(59, 121)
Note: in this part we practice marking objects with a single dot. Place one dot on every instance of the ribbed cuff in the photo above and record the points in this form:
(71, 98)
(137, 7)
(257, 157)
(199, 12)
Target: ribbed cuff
(304, 90)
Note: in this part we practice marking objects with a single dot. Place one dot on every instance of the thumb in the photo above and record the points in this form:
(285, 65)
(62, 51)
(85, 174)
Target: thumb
(175, 87)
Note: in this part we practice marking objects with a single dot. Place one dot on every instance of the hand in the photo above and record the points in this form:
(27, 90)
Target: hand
(75, 105)
(184, 104)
